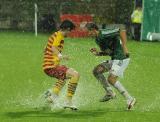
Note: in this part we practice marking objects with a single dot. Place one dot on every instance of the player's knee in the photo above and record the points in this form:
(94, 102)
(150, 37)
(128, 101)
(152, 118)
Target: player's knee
(112, 79)
(95, 71)
(98, 70)
(76, 76)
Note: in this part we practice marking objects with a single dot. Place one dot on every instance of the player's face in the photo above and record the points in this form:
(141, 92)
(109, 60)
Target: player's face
(93, 33)
(66, 32)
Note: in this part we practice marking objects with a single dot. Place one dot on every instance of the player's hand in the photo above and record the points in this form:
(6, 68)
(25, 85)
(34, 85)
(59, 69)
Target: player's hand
(94, 51)
(127, 55)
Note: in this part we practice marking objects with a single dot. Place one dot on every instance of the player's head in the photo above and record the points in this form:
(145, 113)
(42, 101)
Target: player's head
(67, 26)
(92, 28)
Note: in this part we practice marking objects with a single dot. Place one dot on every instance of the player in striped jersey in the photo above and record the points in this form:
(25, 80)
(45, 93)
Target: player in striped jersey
(53, 68)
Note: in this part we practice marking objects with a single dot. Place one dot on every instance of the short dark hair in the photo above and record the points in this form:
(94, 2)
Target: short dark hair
(67, 24)
(91, 26)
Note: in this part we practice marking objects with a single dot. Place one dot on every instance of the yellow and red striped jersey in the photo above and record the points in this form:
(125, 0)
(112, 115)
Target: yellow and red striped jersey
(51, 59)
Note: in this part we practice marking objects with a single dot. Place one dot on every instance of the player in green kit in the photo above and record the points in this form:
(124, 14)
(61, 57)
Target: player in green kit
(110, 44)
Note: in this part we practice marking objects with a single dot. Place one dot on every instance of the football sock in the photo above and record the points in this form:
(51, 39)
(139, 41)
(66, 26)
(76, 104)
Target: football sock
(109, 90)
(71, 90)
(104, 82)
(72, 87)
(58, 86)
(122, 90)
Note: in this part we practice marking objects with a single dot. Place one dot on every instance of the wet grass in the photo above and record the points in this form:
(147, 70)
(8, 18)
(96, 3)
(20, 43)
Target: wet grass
(22, 81)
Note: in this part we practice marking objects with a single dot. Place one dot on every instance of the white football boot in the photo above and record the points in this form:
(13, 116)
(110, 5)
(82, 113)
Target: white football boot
(50, 97)
(70, 105)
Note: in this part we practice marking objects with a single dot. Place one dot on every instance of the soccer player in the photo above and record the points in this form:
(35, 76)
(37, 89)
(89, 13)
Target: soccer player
(53, 68)
(111, 42)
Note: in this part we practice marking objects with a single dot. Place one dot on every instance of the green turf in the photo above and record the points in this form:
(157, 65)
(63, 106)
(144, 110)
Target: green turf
(22, 82)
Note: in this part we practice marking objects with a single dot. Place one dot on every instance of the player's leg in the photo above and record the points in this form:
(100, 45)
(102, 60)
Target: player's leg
(137, 31)
(98, 73)
(130, 100)
(114, 81)
(58, 72)
(116, 70)
(72, 85)
(58, 86)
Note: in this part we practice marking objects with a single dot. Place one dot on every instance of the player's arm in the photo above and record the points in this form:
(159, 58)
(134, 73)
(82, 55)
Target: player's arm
(98, 53)
(124, 40)
(123, 37)
(56, 52)
(124, 46)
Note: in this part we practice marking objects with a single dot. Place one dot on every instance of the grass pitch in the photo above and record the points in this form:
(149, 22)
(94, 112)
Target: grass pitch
(22, 82)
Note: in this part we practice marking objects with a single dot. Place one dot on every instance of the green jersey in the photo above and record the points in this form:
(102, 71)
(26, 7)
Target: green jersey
(109, 41)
